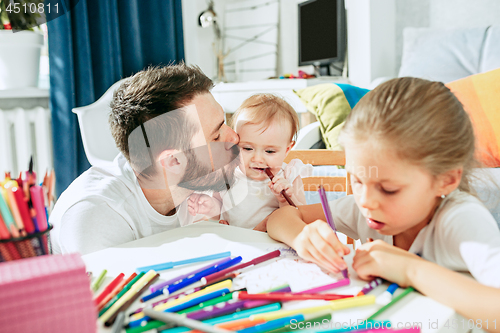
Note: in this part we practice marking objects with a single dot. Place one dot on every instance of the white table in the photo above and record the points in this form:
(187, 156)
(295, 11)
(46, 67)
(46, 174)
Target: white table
(208, 237)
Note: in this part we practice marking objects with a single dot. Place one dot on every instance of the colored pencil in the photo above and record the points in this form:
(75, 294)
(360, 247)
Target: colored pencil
(115, 291)
(108, 288)
(329, 218)
(283, 192)
(161, 307)
(332, 305)
(98, 281)
(120, 294)
(132, 292)
(212, 277)
(394, 300)
(177, 279)
(223, 319)
(243, 295)
(183, 321)
(338, 284)
(171, 264)
(130, 300)
(386, 296)
(184, 305)
(370, 286)
(191, 279)
(273, 324)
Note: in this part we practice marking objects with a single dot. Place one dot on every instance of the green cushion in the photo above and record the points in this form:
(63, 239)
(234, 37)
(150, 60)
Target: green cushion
(330, 103)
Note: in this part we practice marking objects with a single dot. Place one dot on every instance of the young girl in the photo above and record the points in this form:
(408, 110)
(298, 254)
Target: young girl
(409, 150)
(267, 126)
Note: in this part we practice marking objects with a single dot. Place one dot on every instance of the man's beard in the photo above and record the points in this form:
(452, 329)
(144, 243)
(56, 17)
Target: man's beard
(199, 175)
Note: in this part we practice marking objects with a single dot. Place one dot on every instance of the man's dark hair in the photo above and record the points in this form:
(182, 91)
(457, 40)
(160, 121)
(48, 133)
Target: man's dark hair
(151, 93)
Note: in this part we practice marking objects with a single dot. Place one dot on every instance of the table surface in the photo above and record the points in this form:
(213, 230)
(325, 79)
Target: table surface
(208, 237)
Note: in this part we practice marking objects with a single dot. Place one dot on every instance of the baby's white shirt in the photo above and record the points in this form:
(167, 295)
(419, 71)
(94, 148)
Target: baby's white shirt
(249, 201)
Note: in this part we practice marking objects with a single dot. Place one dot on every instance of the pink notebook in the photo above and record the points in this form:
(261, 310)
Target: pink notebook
(46, 294)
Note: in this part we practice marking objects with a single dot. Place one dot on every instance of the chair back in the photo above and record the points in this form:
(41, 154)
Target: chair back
(318, 157)
(98, 143)
(330, 183)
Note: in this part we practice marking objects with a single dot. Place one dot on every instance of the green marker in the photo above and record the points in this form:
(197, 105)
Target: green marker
(211, 302)
(97, 283)
(394, 300)
(120, 294)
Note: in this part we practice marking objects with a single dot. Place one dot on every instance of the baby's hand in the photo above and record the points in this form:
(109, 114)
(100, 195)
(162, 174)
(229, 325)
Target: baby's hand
(201, 204)
(318, 243)
(379, 259)
(223, 222)
(278, 184)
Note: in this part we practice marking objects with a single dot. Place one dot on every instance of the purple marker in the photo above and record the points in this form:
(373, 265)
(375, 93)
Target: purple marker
(162, 285)
(229, 307)
(370, 286)
(329, 218)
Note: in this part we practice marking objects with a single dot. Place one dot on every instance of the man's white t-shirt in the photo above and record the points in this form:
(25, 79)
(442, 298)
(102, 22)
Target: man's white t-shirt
(105, 207)
(462, 235)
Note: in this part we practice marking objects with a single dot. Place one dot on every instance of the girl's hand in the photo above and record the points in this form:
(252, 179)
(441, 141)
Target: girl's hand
(318, 243)
(202, 204)
(379, 259)
(278, 184)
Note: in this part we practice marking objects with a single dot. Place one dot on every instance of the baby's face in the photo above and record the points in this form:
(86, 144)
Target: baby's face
(263, 148)
(393, 195)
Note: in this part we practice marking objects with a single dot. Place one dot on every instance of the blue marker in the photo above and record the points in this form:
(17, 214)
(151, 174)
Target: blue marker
(182, 306)
(273, 324)
(191, 279)
(386, 296)
(170, 264)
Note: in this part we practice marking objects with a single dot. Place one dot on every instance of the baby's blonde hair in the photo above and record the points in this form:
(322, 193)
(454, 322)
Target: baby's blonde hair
(263, 109)
(421, 120)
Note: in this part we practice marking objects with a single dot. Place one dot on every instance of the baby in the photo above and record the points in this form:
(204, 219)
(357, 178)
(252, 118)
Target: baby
(267, 126)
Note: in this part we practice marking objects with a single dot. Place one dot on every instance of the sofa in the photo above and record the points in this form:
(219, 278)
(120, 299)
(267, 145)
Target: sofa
(438, 55)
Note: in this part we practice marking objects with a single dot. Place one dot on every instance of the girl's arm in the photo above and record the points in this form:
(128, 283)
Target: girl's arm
(303, 228)
(467, 296)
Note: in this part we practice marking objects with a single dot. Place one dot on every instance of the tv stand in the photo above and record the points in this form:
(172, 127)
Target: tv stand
(326, 70)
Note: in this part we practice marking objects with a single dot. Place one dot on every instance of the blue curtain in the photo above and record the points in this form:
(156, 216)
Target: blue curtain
(95, 44)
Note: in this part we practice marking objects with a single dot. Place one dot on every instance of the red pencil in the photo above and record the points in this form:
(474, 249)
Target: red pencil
(213, 277)
(281, 296)
(271, 176)
(108, 288)
(115, 292)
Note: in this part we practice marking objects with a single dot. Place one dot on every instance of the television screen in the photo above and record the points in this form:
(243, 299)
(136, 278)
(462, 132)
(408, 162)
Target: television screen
(321, 32)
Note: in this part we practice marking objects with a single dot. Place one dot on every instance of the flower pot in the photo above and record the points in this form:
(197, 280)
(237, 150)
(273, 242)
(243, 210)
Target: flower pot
(19, 59)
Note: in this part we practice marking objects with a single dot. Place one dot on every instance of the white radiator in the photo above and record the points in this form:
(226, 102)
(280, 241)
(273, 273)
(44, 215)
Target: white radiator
(25, 133)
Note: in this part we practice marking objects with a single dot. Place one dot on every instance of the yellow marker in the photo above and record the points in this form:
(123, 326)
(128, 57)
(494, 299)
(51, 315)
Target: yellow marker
(136, 287)
(332, 306)
(160, 307)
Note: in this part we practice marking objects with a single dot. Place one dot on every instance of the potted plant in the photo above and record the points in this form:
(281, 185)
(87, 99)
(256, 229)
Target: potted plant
(20, 44)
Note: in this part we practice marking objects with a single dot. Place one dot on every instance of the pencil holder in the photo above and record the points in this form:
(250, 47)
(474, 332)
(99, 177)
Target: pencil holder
(32, 245)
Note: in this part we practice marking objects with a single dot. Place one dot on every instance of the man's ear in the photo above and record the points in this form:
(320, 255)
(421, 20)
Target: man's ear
(449, 181)
(290, 146)
(173, 161)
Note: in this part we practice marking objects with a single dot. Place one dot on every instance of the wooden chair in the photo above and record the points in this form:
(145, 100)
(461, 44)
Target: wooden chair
(330, 183)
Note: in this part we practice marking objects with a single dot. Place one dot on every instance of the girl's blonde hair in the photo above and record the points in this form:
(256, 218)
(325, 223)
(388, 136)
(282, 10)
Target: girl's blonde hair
(263, 109)
(422, 120)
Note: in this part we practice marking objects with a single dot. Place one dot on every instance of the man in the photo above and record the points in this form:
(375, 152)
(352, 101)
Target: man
(172, 140)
